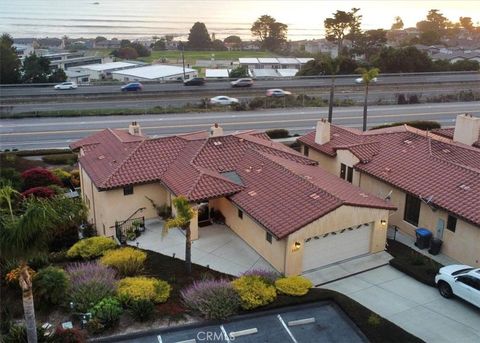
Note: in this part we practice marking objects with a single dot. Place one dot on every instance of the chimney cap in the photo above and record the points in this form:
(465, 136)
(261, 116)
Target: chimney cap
(216, 124)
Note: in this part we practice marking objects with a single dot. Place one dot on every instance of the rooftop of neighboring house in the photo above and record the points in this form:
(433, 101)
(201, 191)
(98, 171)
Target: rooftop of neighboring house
(443, 166)
(278, 187)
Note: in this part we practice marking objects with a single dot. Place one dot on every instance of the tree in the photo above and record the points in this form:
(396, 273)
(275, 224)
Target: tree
(434, 28)
(100, 39)
(199, 39)
(240, 71)
(233, 40)
(397, 24)
(127, 53)
(402, 60)
(271, 33)
(184, 214)
(159, 45)
(467, 24)
(9, 61)
(141, 50)
(36, 69)
(367, 76)
(124, 43)
(57, 76)
(25, 236)
(218, 45)
(343, 25)
(370, 43)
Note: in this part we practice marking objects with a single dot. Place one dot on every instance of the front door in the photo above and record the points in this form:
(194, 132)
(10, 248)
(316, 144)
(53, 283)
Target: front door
(440, 227)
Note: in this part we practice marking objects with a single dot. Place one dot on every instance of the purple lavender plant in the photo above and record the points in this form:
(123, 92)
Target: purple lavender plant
(267, 276)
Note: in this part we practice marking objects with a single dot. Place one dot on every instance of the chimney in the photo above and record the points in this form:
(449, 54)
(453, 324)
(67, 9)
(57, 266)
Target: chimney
(134, 129)
(216, 131)
(322, 135)
(467, 129)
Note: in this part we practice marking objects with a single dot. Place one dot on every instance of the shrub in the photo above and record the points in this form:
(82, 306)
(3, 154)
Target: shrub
(59, 159)
(75, 178)
(12, 176)
(141, 310)
(50, 285)
(253, 291)
(374, 320)
(419, 124)
(213, 299)
(141, 287)
(63, 237)
(92, 247)
(293, 285)
(62, 335)
(39, 192)
(63, 175)
(267, 276)
(107, 312)
(126, 261)
(89, 283)
(18, 334)
(277, 133)
(39, 177)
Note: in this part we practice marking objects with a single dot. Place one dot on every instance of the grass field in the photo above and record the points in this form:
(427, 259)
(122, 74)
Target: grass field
(175, 56)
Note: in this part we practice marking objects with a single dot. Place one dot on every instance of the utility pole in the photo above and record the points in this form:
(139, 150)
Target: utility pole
(330, 101)
(183, 60)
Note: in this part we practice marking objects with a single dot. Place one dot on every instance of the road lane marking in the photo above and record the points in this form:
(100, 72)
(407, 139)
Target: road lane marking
(287, 329)
(225, 124)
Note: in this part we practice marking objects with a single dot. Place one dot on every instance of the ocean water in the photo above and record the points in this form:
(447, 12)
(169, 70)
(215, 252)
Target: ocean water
(145, 18)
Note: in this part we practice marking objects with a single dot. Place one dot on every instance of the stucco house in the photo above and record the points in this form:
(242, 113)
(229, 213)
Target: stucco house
(295, 215)
(433, 178)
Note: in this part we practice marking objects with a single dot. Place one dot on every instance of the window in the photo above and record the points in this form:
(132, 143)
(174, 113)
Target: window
(343, 171)
(128, 190)
(269, 237)
(240, 214)
(412, 209)
(350, 174)
(451, 223)
(305, 150)
(470, 281)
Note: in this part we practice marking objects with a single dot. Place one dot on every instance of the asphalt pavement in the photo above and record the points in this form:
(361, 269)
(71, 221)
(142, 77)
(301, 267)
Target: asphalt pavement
(36, 133)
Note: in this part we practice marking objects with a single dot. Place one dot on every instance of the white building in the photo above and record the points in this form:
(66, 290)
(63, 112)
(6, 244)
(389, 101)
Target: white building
(217, 73)
(273, 62)
(105, 70)
(156, 72)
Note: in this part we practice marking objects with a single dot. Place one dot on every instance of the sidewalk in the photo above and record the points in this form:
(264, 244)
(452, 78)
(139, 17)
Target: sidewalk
(409, 241)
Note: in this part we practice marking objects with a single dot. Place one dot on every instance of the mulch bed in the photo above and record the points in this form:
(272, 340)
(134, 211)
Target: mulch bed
(412, 263)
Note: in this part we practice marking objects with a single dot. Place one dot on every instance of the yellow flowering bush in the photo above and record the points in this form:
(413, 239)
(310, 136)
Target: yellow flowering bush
(143, 288)
(92, 247)
(253, 291)
(293, 285)
(126, 261)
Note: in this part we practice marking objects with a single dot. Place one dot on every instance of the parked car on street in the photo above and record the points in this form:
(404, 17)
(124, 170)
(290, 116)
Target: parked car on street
(223, 100)
(460, 280)
(246, 82)
(66, 85)
(132, 87)
(277, 92)
(360, 80)
(196, 81)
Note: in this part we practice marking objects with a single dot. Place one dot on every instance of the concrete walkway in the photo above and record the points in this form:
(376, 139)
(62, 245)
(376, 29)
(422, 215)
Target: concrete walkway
(415, 307)
(218, 247)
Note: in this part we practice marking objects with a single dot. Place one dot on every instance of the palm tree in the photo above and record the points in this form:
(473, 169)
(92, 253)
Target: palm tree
(184, 214)
(368, 75)
(334, 64)
(24, 236)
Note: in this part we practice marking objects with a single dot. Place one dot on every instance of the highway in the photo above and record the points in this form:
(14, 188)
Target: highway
(36, 133)
(342, 80)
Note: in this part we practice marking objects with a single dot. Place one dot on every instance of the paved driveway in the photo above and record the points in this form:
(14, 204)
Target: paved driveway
(415, 307)
(218, 247)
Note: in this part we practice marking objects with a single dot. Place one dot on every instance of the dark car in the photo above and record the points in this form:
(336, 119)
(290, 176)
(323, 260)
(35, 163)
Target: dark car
(196, 81)
(132, 86)
(242, 83)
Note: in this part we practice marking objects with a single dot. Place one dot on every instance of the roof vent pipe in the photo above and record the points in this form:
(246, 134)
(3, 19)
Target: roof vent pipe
(134, 129)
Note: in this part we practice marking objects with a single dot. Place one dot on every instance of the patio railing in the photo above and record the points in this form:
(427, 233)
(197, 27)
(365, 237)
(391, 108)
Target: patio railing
(126, 229)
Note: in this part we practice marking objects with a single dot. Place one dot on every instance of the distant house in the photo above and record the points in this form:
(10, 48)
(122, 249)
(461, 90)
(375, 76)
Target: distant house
(77, 76)
(321, 46)
(66, 60)
(433, 178)
(156, 72)
(272, 62)
(107, 44)
(105, 70)
(457, 56)
(292, 213)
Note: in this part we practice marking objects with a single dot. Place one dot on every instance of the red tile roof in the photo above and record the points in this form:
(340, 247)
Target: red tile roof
(278, 187)
(424, 164)
(448, 133)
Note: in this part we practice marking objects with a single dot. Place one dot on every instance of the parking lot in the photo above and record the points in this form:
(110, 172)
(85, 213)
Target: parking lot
(318, 322)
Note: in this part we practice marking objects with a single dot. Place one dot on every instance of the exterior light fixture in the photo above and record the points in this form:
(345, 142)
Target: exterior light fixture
(297, 246)
(383, 222)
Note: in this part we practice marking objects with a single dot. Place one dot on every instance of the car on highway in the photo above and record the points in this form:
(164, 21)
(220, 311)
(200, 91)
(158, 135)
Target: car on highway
(245, 82)
(360, 80)
(223, 100)
(460, 280)
(132, 87)
(196, 81)
(277, 92)
(66, 85)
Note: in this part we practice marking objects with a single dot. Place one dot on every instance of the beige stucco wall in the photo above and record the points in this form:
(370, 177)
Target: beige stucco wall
(106, 207)
(343, 217)
(252, 233)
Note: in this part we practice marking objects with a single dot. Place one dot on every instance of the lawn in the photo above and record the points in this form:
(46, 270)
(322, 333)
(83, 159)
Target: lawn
(175, 56)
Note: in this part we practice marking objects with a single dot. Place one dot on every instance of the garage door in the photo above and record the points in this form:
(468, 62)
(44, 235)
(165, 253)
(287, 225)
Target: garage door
(337, 246)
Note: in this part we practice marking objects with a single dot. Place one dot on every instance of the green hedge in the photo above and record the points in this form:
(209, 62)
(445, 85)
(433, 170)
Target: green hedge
(60, 159)
(419, 124)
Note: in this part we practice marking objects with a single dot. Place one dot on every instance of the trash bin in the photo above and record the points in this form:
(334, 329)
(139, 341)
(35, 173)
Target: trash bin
(423, 238)
(435, 246)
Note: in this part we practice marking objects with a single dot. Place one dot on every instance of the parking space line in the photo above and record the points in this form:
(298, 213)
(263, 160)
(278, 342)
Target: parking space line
(159, 338)
(235, 334)
(301, 321)
(193, 340)
(224, 333)
(287, 329)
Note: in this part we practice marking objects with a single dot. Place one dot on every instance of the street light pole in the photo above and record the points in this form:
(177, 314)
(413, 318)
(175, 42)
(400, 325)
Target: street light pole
(183, 60)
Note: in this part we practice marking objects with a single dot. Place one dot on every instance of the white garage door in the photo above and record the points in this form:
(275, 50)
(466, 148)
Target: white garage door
(338, 246)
